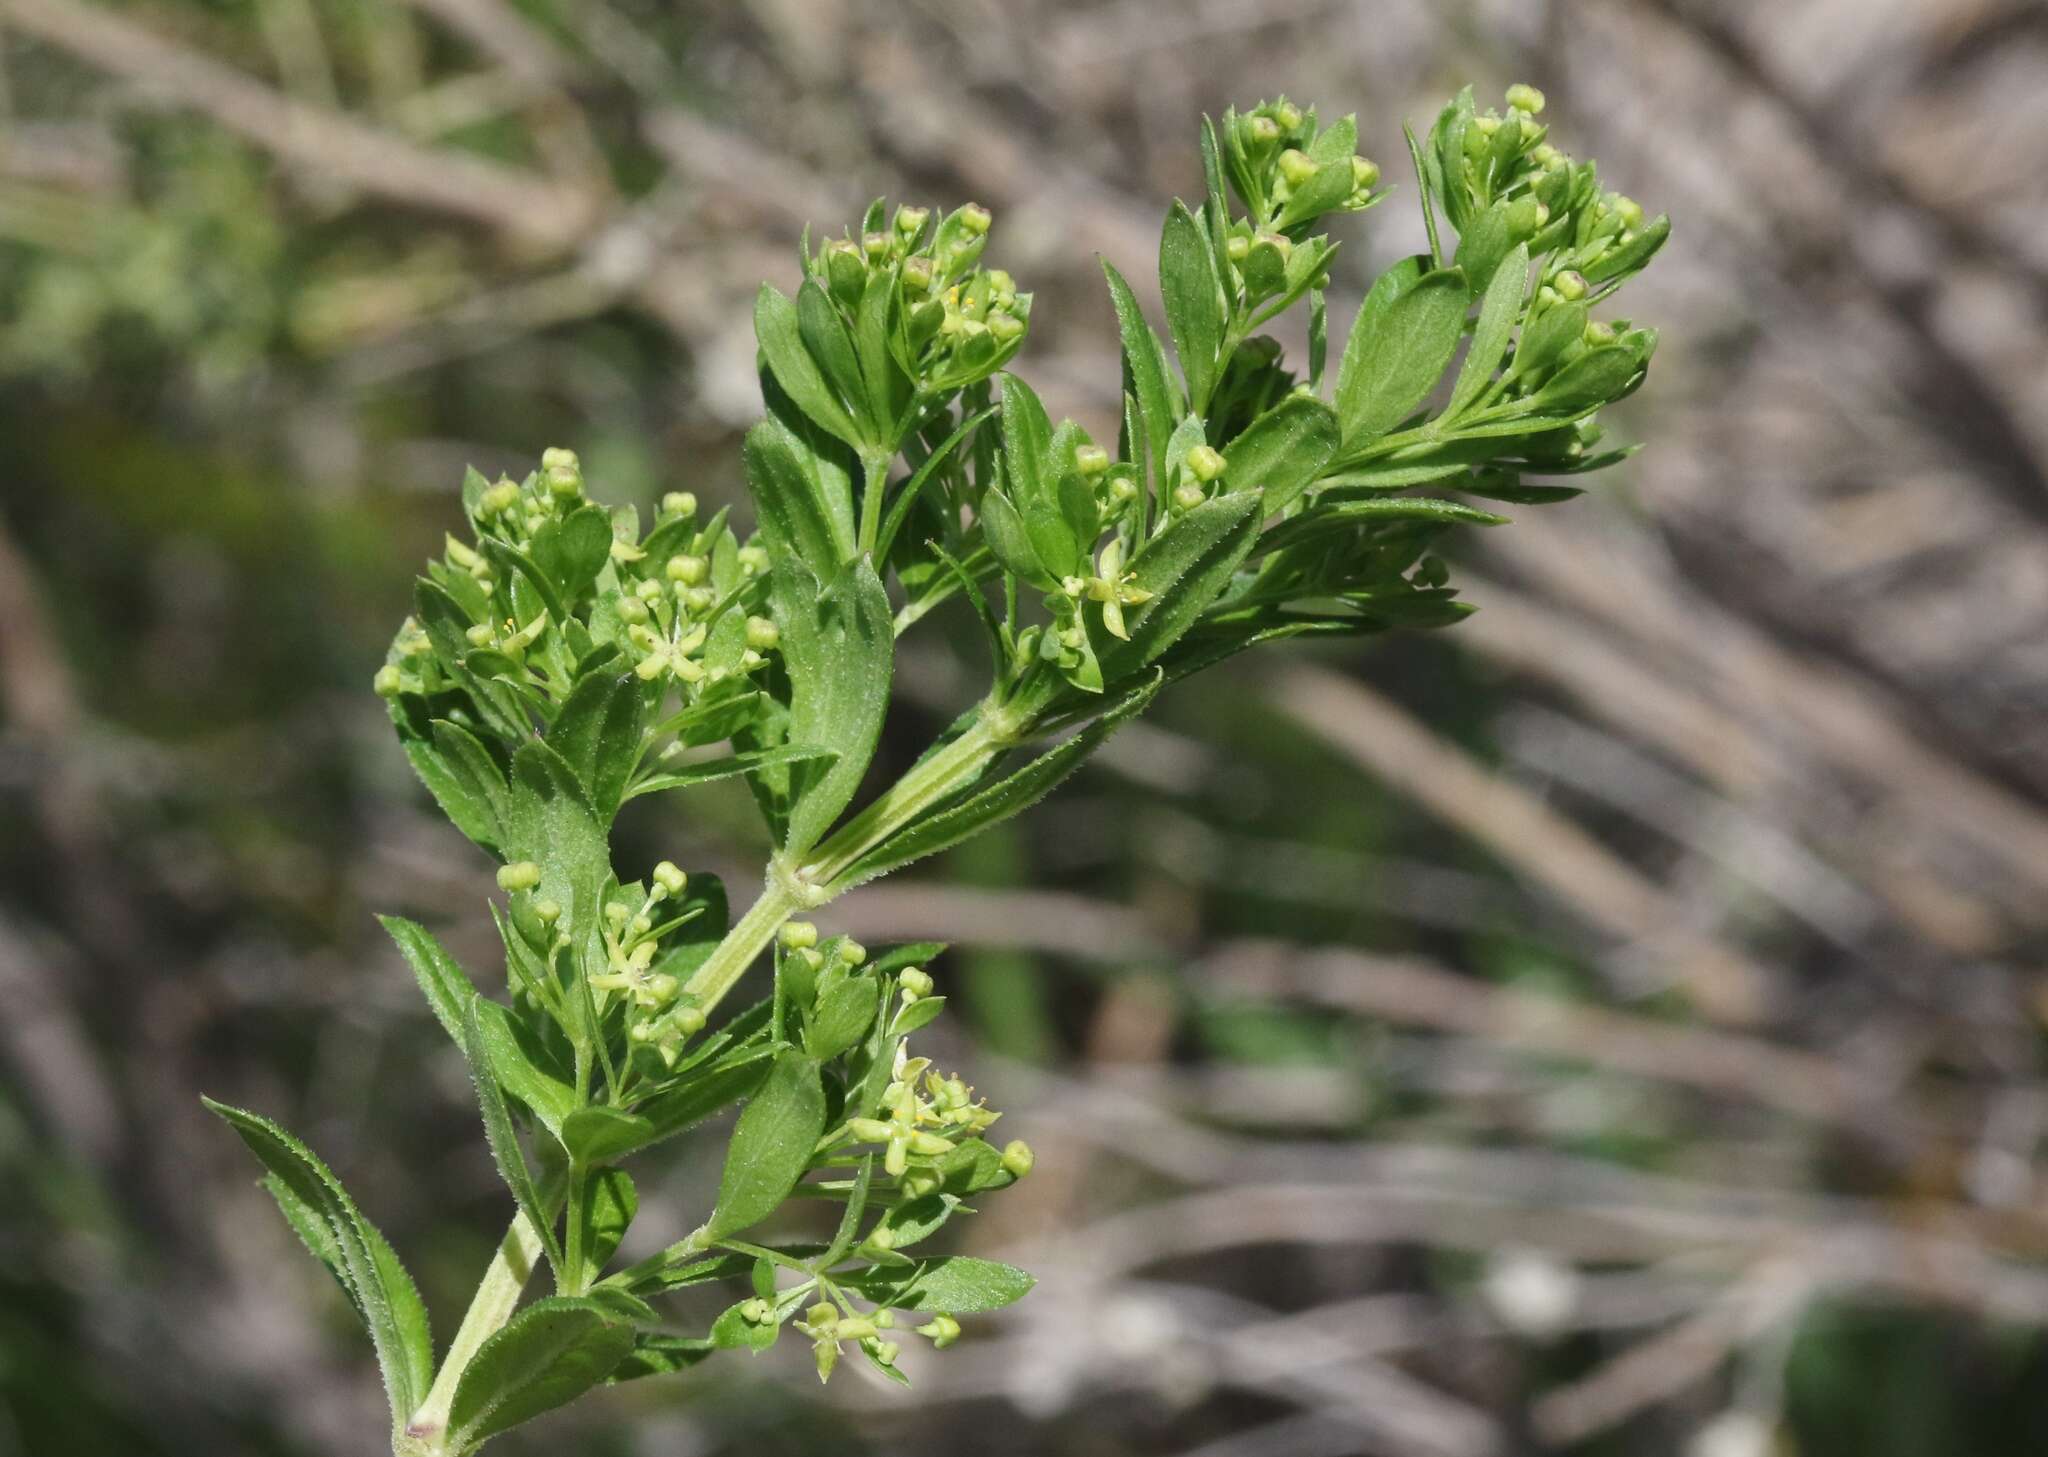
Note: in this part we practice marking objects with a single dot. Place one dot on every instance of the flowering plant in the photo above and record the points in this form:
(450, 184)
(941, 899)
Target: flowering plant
(567, 658)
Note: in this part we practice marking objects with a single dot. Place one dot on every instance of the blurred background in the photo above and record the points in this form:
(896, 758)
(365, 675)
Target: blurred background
(1614, 1026)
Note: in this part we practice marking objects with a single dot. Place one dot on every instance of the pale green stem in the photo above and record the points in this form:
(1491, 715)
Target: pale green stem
(815, 882)
(497, 1296)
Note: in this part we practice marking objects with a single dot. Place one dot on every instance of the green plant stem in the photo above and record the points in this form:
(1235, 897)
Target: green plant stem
(933, 780)
(875, 470)
(497, 1296)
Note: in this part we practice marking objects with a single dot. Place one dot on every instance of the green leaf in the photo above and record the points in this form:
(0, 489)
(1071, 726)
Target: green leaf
(1589, 381)
(358, 1255)
(716, 1086)
(732, 1331)
(845, 1011)
(790, 498)
(1008, 796)
(1031, 468)
(608, 1210)
(1547, 337)
(545, 1356)
(956, 1285)
(503, 1138)
(1483, 244)
(1398, 350)
(469, 807)
(598, 1135)
(1343, 515)
(826, 337)
(918, 1014)
(726, 766)
(550, 820)
(1003, 529)
(771, 1145)
(1497, 315)
(1145, 377)
(447, 987)
(654, 1355)
(1194, 300)
(549, 1098)
(837, 646)
(598, 733)
(1185, 568)
(782, 346)
(573, 550)
(1331, 152)
(1281, 453)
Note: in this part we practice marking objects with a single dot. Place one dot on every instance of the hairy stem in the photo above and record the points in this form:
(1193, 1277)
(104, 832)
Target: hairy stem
(497, 1296)
(930, 782)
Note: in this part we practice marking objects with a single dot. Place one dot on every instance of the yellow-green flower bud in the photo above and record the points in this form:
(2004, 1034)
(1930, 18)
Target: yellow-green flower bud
(1187, 497)
(1237, 248)
(886, 1352)
(762, 634)
(910, 221)
(1547, 157)
(1296, 168)
(689, 570)
(871, 1130)
(1005, 328)
(915, 981)
(852, 952)
(481, 635)
(1261, 131)
(1485, 125)
(1526, 215)
(687, 1020)
(670, 878)
(1365, 174)
(918, 1183)
(881, 1237)
(1017, 1157)
(499, 499)
(1205, 463)
(756, 1311)
(1122, 490)
(1091, 460)
(547, 911)
(1525, 99)
(632, 611)
(875, 245)
(700, 599)
(1598, 333)
(386, 683)
(854, 1328)
(975, 219)
(519, 875)
(797, 935)
(941, 1330)
(1571, 285)
(753, 560)
(565, 482)
(679, 503)
(823, 1316)
(846, 270)
(1287, 114)
(917, 275)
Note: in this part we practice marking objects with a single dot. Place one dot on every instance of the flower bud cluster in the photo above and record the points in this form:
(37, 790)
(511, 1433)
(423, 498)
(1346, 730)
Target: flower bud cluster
(1290, 173)
(1502, 163)
(951, 321)
(927, 1112)
(659, 1017)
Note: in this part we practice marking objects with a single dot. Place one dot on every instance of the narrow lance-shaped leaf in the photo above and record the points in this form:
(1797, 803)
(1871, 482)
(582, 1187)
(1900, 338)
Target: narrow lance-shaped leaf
(782, 346)
(1497, 314)
(1145, 377)
(547, 1355)
(838, 645)
(1194, 301)
(1398, 351)
(771, 1145)
(382, 1291)
(1281, 453)
(503, 1138)
(447, 987)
